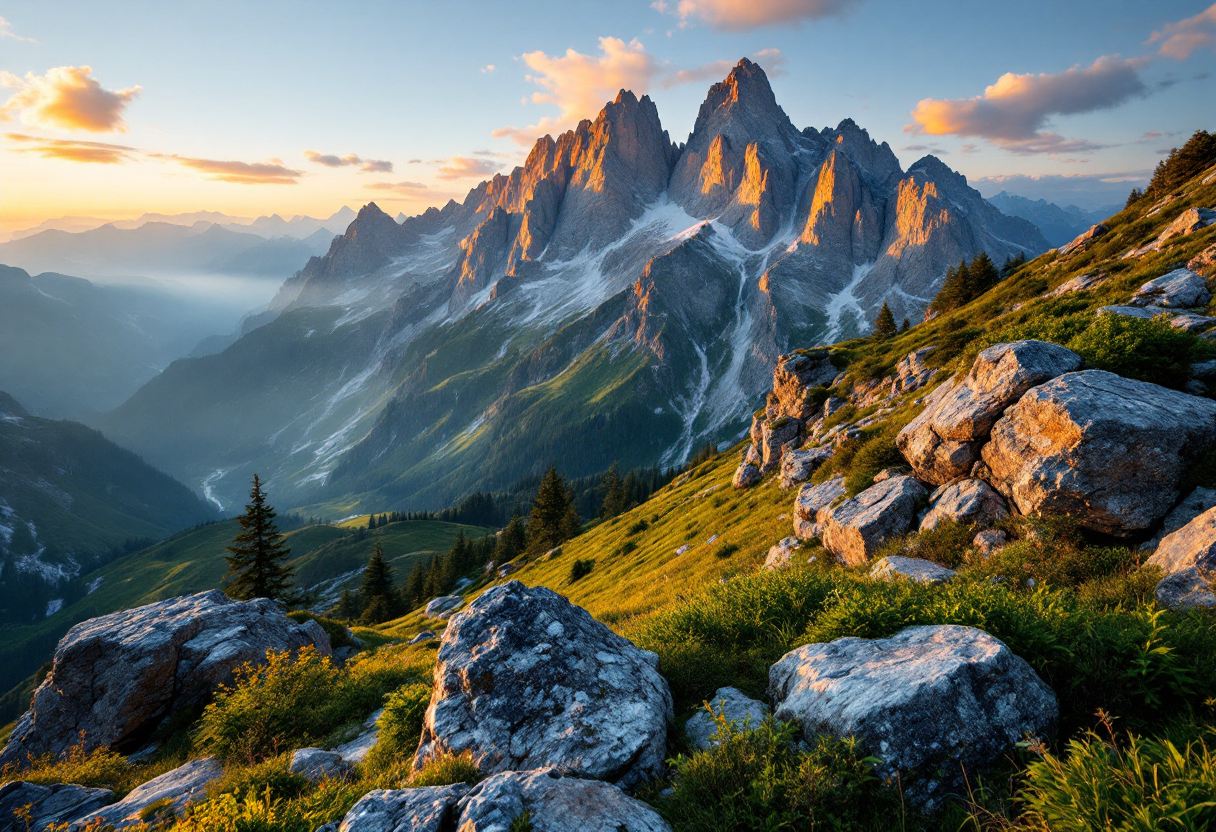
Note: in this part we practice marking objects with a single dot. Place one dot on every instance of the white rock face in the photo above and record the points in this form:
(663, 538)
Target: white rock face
(740, 710)
(116, 677)
(443, 607)
(916, 570)
(525, 679)
(812, 498)
(1193, 545)
(317, 763)
(181, 787)
(969, 502)
(55, 804)
(854, 530)
(356, 750)
(781, 553)
(428, 809)
(554, 803)
(927, 699)
(1179, 289)
(798, 465)
(989, 541)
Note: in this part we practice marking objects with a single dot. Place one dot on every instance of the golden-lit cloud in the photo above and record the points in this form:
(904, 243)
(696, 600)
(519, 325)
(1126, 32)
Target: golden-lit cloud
(6, 31)
(71, 151)
(1013, 112)
(239, 173)
(349, 160)
(488, 69)
(66, 97)
(467, 167)
(740, 15)
(396, 187)
(1179, 40)
(770, 60)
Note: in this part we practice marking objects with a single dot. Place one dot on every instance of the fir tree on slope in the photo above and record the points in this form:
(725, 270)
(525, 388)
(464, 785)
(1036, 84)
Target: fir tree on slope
(884, 326)
(379, 603)
(257, 563)
(553, 519)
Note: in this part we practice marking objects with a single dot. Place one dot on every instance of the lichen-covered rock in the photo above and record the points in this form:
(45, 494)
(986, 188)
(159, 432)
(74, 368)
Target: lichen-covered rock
(425, 635)
(356, 750)
(916, 570)
(1188, 222)
(989, 541)
(427, 809)
(777, 438)
(943, 442)
(1077, 284)
(175, 790)
(933, 700)
(45, 806)
(1108, 451)
(1187, 589)
(115, 678)
(854, 530)
(739, 710)
(1193, 545)
(1084, 240)
(746, 475)
(969, 502)
(317, 763)
(911, 373)
(781, 553)
(793, 380)
(1179, 289)
(798, 465)
(1193, 505)
(443, 607)
(1204, 262)
(554, 802)
(525, 679)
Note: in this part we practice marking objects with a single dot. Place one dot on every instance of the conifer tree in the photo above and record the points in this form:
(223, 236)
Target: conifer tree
(415, 585)
(257, 563)
(905, 326)
(377, 577)
(983, 276)
(572, 524)
(348, 606)
(546, 523)
(512, 541)
(884, 326)
(614, 494)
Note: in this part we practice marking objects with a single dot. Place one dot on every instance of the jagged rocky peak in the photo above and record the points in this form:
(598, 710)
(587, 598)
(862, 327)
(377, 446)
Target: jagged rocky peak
(877, 161)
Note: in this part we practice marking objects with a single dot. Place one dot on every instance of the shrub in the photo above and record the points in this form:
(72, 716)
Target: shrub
(447, 769)
(638, 527)
(946, 543)
(98, 768)
(339, 636)
(581, 568)
(627, 547)
(274, 774)
(267, 812)
(400, 727)
(726, 550)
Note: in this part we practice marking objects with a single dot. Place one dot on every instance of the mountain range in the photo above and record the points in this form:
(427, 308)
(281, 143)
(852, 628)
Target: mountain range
(1058, 225)
(297, 227)
(619, 297)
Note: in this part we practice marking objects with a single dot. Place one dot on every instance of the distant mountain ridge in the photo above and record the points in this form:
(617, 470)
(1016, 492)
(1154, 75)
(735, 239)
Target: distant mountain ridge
(616, 297)
(1058, 225)
(297, 227)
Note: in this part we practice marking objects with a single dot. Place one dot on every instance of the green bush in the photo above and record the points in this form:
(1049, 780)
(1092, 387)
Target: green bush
(96, 768)
(400, 728)
(447, 769)
(946, 543)
(265, 811)
(580, 569)
(339, 636)
(274, 774)
(638, 527)
(726, 550)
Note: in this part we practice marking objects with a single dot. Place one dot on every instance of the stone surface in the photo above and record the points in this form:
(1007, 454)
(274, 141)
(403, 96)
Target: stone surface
(1186, 589)
(943, 442)
(1189, 221)
(989, 541)
(1186, 321)
(317, 763)
(856, 528)
(1178, 289)
(746, 475)
(777, 438)
(1205, 370)
(428, 809)
(356, 750)
(180, 787)
(793, 380)
(916, 570)
(1192, 546)
(1084, 240)
(931, 699)
(1204, 262)
(738, 708)
(55, 804)
(115, 678)
(970, 502)
(1193, 505)
(781, 553)
(911, 373)
(1106, 450)
(444, 606)
(554, 803)
(1077, 284)
(525, 679)
(798, 465)
(425, 635)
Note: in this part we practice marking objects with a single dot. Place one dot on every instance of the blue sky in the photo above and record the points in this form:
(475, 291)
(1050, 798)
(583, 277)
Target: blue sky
(231, 96)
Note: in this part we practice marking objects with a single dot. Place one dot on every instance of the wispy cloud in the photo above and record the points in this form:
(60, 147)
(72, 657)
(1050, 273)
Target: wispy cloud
(349, 160)
(741, 15)
(1089, 190)
(396, 187)
(488, 69)
(1180, 40)
(72, 151)
(467, 167)
(1014, 111)
(771, 60)
(66, 97)
(6, 31)
(239, 173)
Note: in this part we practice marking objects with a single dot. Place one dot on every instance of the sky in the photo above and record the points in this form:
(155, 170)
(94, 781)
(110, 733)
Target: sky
(115, 109)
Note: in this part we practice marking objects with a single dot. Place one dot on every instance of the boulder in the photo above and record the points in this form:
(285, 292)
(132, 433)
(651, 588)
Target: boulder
(740, 710)
(1193, 505)
(1077, 284)
(793, 380)
(1106, 450)
(1189, 221)
(1083, 241)
(1204, 262)
(318, 764)
(943, 442)
(797, 466)
(778, 437)
(911, 373)
(935, 700)
(1186, 590)
(525, 679)
(989, 541)
(47, 805)
(746, 475)
(1192, 546)
(554, 802)
(855, 529)
(115, 678)
(175, 790)
(427, 809)
(969, 502)
(916, 570)
(832, 404)
(425, 635)
(1186, 321)
(1181, 288)
(443, 607)
(355, 751)
(781, 552)
(1205, 370)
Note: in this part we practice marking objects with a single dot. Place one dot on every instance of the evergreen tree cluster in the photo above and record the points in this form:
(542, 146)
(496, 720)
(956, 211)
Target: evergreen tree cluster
(967, 282)
(1182, 163)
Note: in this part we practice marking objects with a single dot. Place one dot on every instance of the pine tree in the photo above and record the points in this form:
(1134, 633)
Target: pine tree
(348, 606)
(983, 276)
(415, 585)
(885, 326)
(614, 494)
(1135, 196)
(377, 577)
(572, 524)
(512, 541)
(545, 523)
(257, 565)
(905, 326)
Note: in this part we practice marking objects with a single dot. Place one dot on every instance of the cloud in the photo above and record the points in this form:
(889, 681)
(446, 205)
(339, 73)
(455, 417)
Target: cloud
(488, 69)
(239, 173)
(349, 160)
(1179, 40)
(72, 151)
(397, 187)
(465, 167)
(1013, 112)
(772, 61)
(6, 31)
(740, 15)
(578, 84)
(68, 97)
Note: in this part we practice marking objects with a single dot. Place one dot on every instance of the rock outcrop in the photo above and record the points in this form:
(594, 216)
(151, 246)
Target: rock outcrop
(797, 466)
(931, 700)
(917, 570)
(45, 806)
(1188, 559)
(781, 553)
(969, 501)
(443, 607)
(554, 802)
(426, 809)
(740, 711)
(317, 763)
(172, 791)
(115, 678)
(1108, 451)
(811, 499)
(1180, 289)
(794, 380)
(1084, 240)
(854, 530)
(524, 679)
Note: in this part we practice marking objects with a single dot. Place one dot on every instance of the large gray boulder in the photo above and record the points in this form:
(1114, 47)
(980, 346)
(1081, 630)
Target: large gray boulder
(428, 809)
(854, 530)
(318, 764)
(740, 711)
(443, 607)
(554, 802)
(115, 678)
(969, 502)
(811, 499)
(175, 790)
(775, 439)
(1190, 550)
(943, 442)
(47, 805)
(1181, 288)
(917, 570)
(1108, 451)
(798, 465)
(934, 700)
(524, 679)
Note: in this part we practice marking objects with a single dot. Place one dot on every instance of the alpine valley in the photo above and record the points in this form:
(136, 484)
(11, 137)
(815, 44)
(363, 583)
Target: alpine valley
(619, 297)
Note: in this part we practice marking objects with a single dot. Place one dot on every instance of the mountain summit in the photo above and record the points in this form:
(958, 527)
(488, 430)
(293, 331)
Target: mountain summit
(616, 297)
